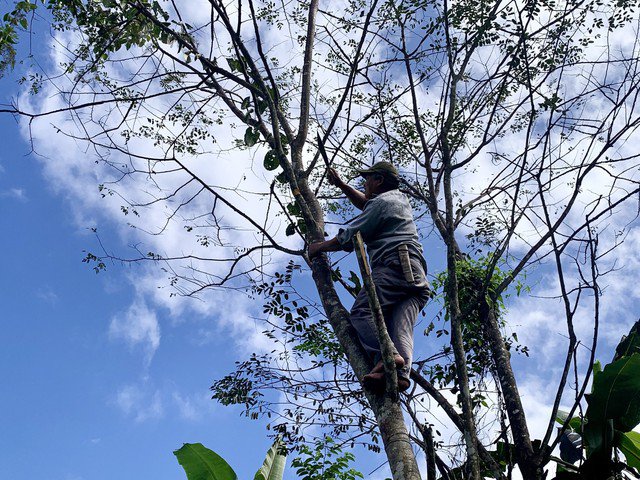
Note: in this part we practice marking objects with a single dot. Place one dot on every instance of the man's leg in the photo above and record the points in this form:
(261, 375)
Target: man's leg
(401, 324)
(402, 302)
(362, 321)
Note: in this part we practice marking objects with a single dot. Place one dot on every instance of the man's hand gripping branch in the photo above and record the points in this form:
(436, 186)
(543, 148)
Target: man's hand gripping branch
(355, 196)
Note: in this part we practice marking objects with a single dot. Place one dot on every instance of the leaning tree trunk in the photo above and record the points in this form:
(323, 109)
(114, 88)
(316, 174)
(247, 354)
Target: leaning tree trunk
(388, 413)
(525, 455)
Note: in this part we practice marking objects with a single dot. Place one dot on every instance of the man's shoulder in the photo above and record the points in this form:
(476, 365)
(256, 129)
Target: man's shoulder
(391, 196)
(391, 202)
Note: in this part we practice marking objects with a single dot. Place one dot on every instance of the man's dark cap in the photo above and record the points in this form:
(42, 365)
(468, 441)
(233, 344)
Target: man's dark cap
(381, 168)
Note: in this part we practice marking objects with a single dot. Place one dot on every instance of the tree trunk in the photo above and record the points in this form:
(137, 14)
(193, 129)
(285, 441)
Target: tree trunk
(386, 345)
(525, 456)
(388, 414)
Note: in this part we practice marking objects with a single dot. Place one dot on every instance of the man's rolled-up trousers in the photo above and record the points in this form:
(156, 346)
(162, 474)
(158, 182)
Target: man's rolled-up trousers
(401, 302)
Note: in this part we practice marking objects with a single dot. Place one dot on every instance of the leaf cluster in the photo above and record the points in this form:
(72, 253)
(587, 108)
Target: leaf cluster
(308, 366)
(200, 463)
(326, 461)
(477, 294)
(612, 413)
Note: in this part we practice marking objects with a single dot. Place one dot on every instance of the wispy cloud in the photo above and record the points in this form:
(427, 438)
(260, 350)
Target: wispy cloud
(140, 403)
(144, 401)
(192, 407)
(47, 295)
(19, 194)
(137, 326)
(76, 178)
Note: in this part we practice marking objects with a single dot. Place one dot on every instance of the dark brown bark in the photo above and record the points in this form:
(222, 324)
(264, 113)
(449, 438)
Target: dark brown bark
(431, 453)
(525, 456)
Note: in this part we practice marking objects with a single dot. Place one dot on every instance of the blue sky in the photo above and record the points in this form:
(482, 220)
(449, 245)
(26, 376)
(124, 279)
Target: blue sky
(78, 402)
(105, 375)
(66, 383)
(83, 399)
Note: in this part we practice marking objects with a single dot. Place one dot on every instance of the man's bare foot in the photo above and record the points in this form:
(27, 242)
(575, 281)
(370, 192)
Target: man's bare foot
(380, 368)
(375, 382)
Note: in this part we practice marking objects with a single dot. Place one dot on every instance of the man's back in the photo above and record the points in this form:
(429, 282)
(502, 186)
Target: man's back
(385, 223)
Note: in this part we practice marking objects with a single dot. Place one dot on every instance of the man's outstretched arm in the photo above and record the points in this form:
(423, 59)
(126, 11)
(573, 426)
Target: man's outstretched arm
(355, 196)
(317, 248)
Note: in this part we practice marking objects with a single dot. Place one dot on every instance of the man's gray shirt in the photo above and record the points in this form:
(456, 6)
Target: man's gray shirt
(385, 223)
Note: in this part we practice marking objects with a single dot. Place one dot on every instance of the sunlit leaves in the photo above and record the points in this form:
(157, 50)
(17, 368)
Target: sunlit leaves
(200, 463)
(613, 411)
(629, 445)
(12, 23)
(326, 461)
(615, 397)
(273, 465)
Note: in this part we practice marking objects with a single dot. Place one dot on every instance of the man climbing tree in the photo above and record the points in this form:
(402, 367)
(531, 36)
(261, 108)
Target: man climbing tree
(398, 267)
(516, 119)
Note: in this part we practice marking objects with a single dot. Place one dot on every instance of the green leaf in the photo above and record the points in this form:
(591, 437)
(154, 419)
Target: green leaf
(575, 423)
(291, 229)
(273, 466)
(503, 454)
(562, 416)
(251, 137)
(629, 444)
(270, 159)
(616, 394)
(629, 344)
(262, 106)
(614, 402)
(597, 368)
(235, 65)
(353, 278)
(294, 209)
(200, 463)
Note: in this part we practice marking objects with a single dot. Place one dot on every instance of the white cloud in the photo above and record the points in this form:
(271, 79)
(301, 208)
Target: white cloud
(144, 401)
(186, 406)
(193, 407)
(47, 295)
(137, 326)
(71, 172)
(140, 403)
(19, 194)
